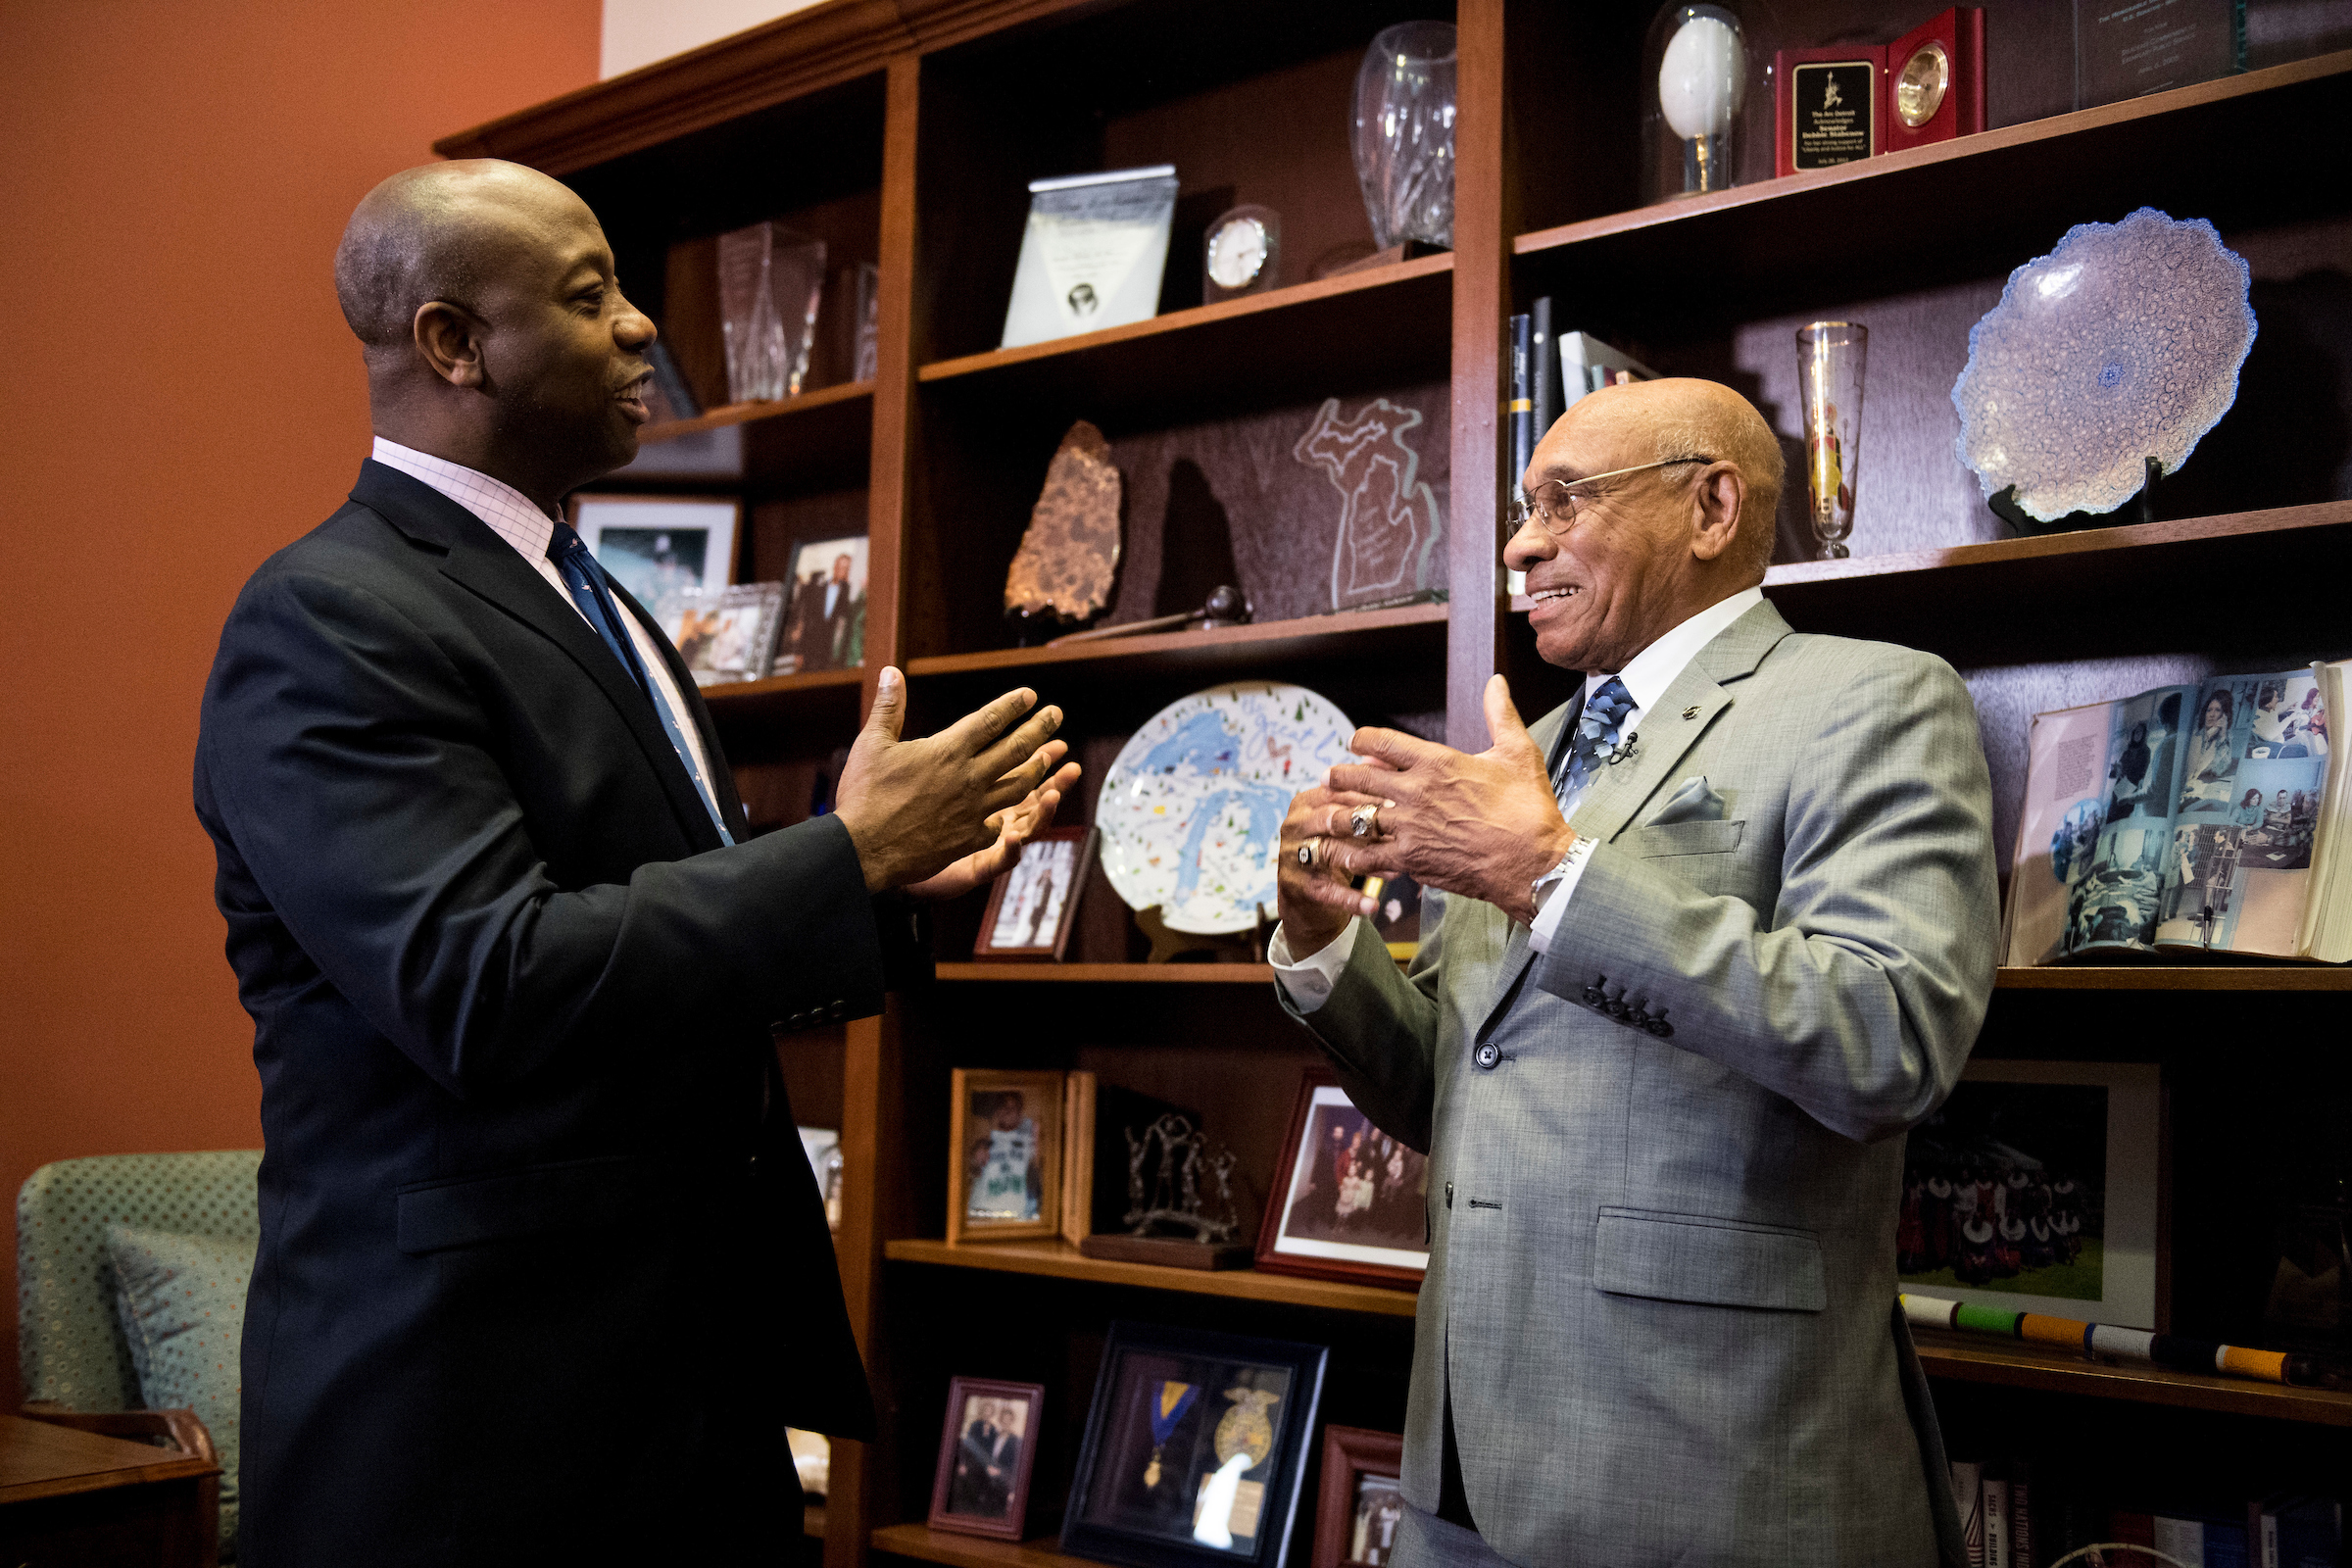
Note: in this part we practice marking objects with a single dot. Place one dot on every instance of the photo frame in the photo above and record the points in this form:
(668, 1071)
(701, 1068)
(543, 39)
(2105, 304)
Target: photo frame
(1004, 1155)
(824, 605)
(1078, 1158)
(1033, 906)
(987, 1451)
(1349, 1201)
(656, 545)
(1362, 1501)
(728, 635)
(2040, 1187)
(1195, 1448)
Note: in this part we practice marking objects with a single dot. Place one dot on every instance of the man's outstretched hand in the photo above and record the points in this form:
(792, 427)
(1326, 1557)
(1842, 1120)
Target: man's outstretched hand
(940, 815)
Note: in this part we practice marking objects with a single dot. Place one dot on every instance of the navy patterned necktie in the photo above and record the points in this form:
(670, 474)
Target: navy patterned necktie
(1596, 733)
(585, 577)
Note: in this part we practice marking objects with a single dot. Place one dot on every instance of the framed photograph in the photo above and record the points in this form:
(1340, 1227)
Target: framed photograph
(1031, 908)
(1078, 1158)
(1364, 1498)
(2039, 1186)
(1195, 1447)
(987, 1447)
(729, 634)
(659, 546)
(1349, 1199)
(824, 606)
(1005, 1156)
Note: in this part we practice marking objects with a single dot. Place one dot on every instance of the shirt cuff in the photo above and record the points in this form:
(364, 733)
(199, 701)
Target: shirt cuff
(1308, 981)
(1555, 904)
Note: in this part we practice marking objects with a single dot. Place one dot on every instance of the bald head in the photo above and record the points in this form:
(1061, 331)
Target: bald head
(1683, 416)
(437, 232)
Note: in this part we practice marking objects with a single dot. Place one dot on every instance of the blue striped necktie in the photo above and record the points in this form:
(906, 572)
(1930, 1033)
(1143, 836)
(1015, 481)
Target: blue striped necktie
(586, 579)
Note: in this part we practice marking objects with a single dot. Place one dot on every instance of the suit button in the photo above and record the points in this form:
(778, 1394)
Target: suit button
(799, 1020)
(1488, 1054)
(840, 1010)
(1660, 1028)
(1449, 1195)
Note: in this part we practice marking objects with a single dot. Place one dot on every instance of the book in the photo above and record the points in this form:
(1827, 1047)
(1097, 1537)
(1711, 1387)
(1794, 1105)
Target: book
(1543, 368)
(1995, 1509)
(1586, 365)
(2021, 1515)
(2190, 818)
(1968, 1493)
(2200, 1540)
(2297, 1532)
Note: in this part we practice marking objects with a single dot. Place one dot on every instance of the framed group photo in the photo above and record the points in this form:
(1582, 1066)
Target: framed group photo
(657, 547)
(824, 606)
(1004, 1154)
(729, 634)
(1195, 1448)
(1364, 1498)
(1033, 906)
(2038, 1187)
(1349, 1201)
(987, 1449)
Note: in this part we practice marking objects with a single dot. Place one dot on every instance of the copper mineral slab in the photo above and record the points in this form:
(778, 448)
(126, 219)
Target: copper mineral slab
(1070, 556)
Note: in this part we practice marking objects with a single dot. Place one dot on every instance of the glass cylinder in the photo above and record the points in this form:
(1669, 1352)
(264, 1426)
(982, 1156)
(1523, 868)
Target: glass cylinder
(1830, 358)
(1404, 102)
(1693, 81)
(770, 282)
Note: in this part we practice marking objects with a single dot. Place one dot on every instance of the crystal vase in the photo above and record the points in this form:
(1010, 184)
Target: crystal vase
(1404, 103)
(1830, 358)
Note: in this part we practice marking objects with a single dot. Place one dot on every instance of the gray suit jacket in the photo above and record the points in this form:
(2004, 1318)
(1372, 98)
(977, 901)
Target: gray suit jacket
(1664, 1157)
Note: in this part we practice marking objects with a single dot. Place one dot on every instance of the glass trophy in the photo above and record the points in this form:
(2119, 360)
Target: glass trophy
(1404, 134)
(1092, 254)
(1830, 358)
(2128, 50)
(770, 282)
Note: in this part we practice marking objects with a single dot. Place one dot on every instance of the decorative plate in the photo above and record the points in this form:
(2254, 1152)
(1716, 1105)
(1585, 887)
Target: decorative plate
(2121, 344)
(1192, 812)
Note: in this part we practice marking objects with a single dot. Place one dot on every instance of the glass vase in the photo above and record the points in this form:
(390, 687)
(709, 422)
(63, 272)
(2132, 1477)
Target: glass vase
(1830, 357)
(1404, 104)
(1693, 82)
(770, 282)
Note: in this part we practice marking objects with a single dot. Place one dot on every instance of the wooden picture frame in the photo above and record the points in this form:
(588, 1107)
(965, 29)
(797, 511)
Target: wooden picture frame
(965, 1497)
(626, 534)
(1078, 1158)
(1035, 901)
(1380, 1236)
(2032, 1128)
(984, 1148)
(1192, 1436)
(1352, 1458)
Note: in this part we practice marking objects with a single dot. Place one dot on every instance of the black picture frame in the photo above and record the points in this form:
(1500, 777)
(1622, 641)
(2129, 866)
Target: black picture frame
(1148, 1456)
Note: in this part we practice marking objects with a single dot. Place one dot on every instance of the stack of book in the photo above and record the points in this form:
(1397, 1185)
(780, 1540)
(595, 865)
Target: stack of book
(1550, 373)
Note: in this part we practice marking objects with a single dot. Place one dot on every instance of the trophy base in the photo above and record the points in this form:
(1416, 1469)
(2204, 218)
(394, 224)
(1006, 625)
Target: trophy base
(2139, 509)
(1168, 1251)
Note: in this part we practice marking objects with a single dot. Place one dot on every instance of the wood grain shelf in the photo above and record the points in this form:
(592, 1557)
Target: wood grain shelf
(1228, 651)
(926, 1545)
(1383, 325)
(820, 696)
(1058, 1259)
(816, 441)
(2177, 977)
(812, 1521)
(1973, 204)
(1198, 974)
(1979, 1358)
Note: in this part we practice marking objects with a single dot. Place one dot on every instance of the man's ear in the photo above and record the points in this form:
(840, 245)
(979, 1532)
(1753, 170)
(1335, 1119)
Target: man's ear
(449, 339)
(1720, 496)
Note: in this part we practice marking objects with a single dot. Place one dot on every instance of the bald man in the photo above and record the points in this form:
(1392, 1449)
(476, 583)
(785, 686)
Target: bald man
(543, 1271)
(1698, 957)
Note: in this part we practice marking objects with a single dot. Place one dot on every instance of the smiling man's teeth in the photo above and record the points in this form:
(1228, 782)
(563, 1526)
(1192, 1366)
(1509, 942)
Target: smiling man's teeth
(1555, 593)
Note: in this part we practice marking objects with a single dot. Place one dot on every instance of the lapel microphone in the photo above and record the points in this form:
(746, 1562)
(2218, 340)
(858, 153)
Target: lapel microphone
(1622, 751)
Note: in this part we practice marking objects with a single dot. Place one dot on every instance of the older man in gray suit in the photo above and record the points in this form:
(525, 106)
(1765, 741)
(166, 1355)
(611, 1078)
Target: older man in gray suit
(1698, 959)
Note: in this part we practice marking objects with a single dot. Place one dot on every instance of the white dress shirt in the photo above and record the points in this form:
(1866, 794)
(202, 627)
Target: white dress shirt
(510, 514)
(1646, 675)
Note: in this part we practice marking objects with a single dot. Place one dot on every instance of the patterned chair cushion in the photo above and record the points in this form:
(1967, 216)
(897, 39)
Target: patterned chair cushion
(69, 1347)
(182, 1307)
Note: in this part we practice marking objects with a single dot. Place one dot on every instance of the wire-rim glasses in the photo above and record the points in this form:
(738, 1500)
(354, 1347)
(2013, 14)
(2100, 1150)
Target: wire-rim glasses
(1556, 502)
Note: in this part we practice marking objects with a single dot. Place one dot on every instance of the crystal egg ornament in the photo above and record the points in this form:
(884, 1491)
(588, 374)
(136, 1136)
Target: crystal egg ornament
(2121, 344)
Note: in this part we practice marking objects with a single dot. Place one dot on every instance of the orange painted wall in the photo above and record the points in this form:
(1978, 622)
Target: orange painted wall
(174, 176)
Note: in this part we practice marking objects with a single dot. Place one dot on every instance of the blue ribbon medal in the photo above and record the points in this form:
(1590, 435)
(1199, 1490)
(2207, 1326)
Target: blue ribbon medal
(1168, 1407)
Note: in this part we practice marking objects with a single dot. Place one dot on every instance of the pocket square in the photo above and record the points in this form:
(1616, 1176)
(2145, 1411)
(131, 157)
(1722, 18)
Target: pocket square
(1693, 800)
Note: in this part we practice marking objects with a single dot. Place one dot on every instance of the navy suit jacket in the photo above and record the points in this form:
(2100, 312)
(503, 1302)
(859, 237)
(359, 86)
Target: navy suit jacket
(542, 1269)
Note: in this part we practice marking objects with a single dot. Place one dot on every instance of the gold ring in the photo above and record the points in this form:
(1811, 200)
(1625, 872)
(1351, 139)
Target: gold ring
(1307, 853)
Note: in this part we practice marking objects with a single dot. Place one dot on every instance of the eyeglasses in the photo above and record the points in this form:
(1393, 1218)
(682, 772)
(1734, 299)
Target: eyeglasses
(1556, 502)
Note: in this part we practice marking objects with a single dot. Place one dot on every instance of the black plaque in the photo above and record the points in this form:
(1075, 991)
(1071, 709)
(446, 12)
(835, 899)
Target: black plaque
(1835, 102)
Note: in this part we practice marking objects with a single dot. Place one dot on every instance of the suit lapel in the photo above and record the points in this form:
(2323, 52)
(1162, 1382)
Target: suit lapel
(486, 566)
(1665, 737)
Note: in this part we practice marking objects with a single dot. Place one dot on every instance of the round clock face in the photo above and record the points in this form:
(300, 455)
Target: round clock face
(1237, 253)
(1920, 86)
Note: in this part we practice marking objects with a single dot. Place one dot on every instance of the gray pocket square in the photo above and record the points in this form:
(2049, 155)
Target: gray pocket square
(1693, 801)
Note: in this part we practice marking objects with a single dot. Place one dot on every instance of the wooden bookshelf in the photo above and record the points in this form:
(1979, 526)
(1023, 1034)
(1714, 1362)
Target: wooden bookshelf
(2177, 977)
(812, 1521)
(1982, 1358)
(823, 697)
(1368, 635)
(1060, 1260)
(926, 1545)
(815, 441)
(1193, 974)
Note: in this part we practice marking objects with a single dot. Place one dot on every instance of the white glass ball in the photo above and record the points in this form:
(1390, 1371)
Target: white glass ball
(1702, 78)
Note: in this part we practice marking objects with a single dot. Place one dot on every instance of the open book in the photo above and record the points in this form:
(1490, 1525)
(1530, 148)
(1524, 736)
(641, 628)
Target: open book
(2200, 817)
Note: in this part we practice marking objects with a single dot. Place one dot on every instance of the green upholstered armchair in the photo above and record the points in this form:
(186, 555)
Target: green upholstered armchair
(80, 1366)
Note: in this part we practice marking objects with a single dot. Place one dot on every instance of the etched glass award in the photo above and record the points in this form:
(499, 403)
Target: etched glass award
(2126, 48)
(1092, 254)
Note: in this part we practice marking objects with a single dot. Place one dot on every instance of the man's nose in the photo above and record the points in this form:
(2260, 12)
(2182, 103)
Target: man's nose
(1528, 546)
(633, 327)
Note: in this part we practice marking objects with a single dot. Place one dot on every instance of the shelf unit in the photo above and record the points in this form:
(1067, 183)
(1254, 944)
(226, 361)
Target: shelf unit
(903, 132)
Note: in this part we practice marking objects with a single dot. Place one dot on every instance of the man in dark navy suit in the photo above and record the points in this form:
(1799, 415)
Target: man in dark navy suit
(543, 1273)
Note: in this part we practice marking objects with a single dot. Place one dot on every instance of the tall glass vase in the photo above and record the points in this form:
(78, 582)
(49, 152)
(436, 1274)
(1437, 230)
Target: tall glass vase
(770, 282)
(1404, 103)
(1830, 358)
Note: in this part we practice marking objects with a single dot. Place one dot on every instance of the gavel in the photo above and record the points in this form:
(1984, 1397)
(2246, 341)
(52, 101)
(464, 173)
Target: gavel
(1226, 606)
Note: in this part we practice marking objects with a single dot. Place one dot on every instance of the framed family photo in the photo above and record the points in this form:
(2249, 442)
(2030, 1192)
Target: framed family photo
(1195, 1448)
(1031, 908)
(1004, 1155)
(658, 545)
(1349, 1201)
(729, 634)
(2039, 1186)
(824, 605)
(987, 1449)
(1364, 1498)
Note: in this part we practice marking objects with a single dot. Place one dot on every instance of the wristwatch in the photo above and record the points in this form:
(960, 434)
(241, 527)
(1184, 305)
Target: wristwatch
(1541, 888)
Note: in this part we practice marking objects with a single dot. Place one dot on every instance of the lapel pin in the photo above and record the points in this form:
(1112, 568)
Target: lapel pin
(1691, 711)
